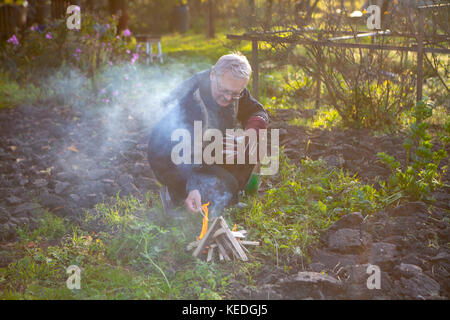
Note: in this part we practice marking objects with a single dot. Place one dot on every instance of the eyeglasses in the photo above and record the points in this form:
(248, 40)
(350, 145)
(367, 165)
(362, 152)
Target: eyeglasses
(232, 94)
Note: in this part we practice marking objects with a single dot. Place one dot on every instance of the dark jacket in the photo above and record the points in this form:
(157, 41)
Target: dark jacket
(192, 101)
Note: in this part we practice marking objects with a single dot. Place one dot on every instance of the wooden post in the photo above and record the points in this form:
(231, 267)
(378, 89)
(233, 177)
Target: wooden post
(255, 69)
(420, 38)
(318, 88)
(318, 83)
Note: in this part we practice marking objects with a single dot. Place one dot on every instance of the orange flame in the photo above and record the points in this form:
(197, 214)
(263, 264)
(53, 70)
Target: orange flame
(205, 221)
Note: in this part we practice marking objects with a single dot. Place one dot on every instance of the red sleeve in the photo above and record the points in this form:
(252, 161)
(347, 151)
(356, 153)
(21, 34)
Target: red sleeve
(256, 122)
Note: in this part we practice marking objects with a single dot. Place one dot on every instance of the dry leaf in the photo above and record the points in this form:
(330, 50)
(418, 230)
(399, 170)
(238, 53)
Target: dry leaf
(72, 148)
(31, 244)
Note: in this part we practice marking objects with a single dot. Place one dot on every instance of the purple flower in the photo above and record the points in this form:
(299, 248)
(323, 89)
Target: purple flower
(13, 40)
(103, 91)
(110, 63)
(33, 28)
(107, 26)
(134, 58)
(49, 35)
(126, 33)
(77, 53)
(128, 51)
(115, 93)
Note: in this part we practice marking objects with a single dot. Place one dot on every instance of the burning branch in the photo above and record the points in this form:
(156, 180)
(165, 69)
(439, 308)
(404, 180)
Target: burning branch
(205, 221)
(219, 236)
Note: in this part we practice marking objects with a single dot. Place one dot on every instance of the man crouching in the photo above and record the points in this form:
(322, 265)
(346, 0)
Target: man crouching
(218, 99)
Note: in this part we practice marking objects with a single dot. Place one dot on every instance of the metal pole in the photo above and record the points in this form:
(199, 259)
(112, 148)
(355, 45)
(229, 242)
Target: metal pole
(255, 69)
(420, 57)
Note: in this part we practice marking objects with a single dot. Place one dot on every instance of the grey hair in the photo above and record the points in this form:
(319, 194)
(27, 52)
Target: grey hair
(236, 63)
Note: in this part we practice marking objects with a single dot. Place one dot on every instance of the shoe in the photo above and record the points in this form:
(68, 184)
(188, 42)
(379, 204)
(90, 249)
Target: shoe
(170, 209)
(165, 200)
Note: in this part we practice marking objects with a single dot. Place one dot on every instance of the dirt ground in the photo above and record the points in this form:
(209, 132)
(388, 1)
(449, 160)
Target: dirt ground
(68, 160)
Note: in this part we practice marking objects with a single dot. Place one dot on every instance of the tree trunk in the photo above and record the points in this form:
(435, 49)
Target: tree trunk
(210, 20)
(123, 20)
(268, 20)
(120, 7)
(252, 13)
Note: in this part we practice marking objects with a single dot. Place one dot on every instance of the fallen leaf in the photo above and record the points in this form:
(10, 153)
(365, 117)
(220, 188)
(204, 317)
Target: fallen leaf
(72, 148)
(13, 148)
(48, 170)
(31, 244)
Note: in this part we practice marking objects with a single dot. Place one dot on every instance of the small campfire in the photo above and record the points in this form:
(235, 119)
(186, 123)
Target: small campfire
(219, 238)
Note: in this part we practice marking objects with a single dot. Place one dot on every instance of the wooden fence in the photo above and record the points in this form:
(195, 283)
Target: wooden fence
(420, 48)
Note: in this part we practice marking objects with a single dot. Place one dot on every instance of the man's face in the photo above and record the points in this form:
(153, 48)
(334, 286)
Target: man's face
(226, 88)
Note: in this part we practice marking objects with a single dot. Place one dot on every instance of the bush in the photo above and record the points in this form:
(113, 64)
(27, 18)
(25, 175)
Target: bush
(306, 199)
(422, 174)
(12, 94)
(154, 17)
(40, 52)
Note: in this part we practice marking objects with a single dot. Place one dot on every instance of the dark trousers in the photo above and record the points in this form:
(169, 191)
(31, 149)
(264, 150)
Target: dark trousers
(218, 184)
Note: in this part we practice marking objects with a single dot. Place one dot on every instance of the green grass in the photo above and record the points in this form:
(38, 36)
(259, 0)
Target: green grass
(13, 94)
(196, 47)
(325, 118)
(299, 203)
(50, 227)
(127, 249)
(129, 257)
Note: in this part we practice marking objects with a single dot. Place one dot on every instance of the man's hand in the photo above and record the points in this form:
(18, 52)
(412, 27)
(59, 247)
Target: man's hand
(193, 201)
